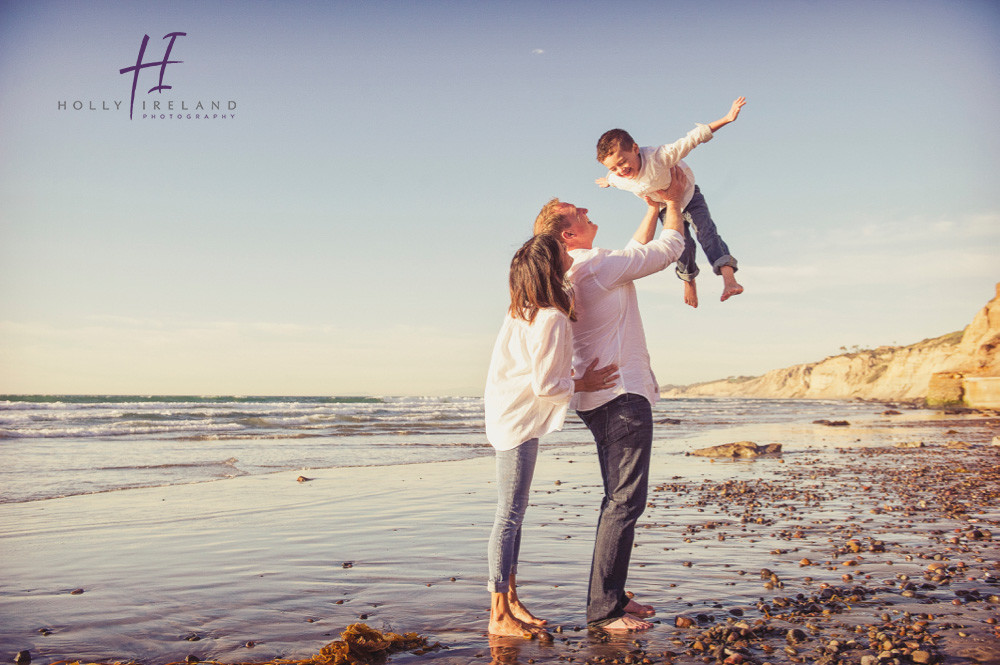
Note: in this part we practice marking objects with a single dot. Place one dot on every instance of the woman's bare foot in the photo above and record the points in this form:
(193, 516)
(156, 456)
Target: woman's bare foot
(503, 622)
(511, 627)
(627, 623)
(641, 611)
(690, 294)
(521, 613)
(518, 609)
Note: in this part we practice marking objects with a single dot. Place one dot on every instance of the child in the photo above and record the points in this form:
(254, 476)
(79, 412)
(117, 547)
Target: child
(644, 171)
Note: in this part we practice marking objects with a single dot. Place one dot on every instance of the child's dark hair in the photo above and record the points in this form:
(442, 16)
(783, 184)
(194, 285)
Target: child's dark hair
(537, 279)
(612, 140)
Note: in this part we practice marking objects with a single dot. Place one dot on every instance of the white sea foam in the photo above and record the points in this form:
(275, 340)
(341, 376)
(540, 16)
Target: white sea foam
(59, 446)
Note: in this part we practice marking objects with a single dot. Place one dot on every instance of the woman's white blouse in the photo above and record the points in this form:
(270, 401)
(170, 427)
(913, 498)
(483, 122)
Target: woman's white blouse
(529, 384)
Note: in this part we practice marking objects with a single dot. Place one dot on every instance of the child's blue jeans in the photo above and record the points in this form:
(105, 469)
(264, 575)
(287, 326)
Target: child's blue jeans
(715, 248)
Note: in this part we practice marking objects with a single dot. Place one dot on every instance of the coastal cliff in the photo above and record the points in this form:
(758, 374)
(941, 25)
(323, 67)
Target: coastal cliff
(959, 367)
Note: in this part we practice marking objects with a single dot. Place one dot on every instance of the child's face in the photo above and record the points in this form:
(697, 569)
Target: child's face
(624, 163)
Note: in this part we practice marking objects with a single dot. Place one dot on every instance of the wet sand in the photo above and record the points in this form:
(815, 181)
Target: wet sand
(844, 548)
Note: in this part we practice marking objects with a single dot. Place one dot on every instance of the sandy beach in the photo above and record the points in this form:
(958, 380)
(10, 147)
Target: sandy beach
(847, 549)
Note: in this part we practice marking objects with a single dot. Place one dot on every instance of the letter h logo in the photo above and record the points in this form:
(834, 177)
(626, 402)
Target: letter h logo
(139, 64)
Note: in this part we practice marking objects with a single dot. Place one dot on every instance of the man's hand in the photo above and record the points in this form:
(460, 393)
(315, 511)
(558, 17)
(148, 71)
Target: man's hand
(595, 378)
(678, 184)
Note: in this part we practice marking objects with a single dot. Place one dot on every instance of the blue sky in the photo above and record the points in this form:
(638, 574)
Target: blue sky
(348, 229)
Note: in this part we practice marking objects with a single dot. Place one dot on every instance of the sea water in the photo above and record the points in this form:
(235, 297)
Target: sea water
(60, 445)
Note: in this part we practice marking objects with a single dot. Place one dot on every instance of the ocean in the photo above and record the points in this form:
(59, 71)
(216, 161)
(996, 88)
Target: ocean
(64, 445)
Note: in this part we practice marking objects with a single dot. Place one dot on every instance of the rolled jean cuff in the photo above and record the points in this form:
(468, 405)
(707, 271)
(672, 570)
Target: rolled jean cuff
(726, 260)
(689, 276)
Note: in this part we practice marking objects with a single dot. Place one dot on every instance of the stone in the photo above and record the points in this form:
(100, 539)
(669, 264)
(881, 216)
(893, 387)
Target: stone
(743, 449)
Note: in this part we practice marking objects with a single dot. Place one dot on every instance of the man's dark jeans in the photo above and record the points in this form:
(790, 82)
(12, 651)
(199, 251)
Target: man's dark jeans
(623, 431)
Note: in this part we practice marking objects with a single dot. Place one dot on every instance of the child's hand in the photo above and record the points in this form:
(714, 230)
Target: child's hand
(602, 182)
(734, 111)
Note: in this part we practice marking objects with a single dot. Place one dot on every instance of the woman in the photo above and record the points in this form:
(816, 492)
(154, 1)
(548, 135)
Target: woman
(528, 389)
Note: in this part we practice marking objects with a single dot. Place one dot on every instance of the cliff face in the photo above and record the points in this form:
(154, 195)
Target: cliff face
(885, 373)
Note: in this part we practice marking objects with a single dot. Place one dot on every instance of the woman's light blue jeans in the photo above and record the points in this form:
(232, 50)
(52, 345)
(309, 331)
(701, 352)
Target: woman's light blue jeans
(515, 468)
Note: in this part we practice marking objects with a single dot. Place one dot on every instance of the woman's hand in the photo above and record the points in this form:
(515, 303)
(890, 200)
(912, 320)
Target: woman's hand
(595, 378)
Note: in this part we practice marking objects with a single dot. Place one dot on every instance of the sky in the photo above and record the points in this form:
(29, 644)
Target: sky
(344, 227)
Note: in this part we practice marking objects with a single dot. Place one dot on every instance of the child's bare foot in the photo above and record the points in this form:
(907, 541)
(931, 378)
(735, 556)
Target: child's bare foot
(641, 611)
(690, 293)
(627, 623)
(730, 287)
(730, 290)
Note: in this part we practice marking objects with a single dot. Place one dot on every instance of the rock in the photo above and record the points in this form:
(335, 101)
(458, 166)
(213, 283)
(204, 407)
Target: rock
(683, 622)
(831, 423)
(22, 657)
(921, 656)
(795, 635)
(745, 449)
(303, 479)
(909, 444)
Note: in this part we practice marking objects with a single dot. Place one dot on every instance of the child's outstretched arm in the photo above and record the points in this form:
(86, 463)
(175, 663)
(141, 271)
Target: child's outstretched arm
(734, 113)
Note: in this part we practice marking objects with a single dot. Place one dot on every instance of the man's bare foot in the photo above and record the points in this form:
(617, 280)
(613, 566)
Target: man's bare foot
(690, 293)
(641, 611)
(627, 623)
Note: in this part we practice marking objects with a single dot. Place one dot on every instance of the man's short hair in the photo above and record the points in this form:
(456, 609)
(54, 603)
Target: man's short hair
(611, 140)
(552, 220)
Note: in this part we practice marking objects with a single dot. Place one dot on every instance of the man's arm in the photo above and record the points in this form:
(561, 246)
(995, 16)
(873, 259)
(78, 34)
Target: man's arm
(734, 113)
(647, 227)
(615, 268)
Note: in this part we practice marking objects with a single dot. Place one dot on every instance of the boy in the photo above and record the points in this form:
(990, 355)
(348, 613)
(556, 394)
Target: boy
(644, 171)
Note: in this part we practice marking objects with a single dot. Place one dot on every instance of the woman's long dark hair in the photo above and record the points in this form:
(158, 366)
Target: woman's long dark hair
(537, 279)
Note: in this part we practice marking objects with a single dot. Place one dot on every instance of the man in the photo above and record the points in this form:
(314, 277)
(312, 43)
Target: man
(609, 328)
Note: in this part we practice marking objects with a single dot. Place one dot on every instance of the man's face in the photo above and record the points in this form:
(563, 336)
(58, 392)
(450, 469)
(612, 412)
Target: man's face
(581, 231)
(624, 163)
